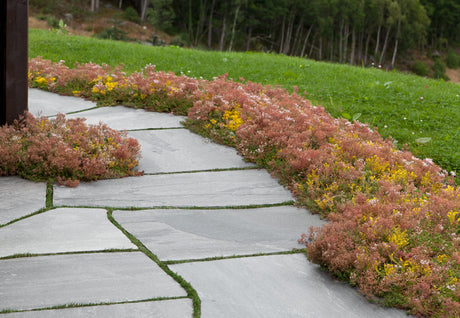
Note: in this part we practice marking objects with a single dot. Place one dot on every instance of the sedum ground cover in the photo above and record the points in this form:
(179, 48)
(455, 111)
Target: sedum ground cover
(65, 150)
(419, 112)
(394, 219)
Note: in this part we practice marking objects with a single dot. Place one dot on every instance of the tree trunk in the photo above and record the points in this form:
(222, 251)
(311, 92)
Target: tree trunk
(341, 41)
(190, 23)
(200, 26)
(360, 48)
(353, 47)
(295, 46)
(120, 3)
(282, 35)
(385, 46)
(320, 51)
(331, 46)
(222, 35)
(366, 50)
(377, 44)
(288, 38)
(248, 38)
(144, 9)
(313, 44)
(345, 44)
(302, 54)
(210, 24)
(393, 59)
(233, 28)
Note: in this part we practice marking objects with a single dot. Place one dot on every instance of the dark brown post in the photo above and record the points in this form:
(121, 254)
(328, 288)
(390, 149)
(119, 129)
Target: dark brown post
(13, 59)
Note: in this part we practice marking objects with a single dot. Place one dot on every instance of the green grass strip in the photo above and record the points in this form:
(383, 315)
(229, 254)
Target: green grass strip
(78, 305)
(112, 250)
(218, 258)
(43, 210)
(191, 292)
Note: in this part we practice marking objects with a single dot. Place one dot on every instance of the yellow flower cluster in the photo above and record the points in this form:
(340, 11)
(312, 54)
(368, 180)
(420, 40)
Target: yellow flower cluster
(43, 81)
(233, 118)
(107, 82)
(399, 237)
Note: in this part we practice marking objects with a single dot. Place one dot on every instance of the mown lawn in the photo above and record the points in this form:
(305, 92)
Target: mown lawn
(405, 107)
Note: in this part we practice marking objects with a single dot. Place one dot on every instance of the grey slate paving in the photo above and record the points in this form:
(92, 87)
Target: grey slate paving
(45, 281)
(176, 308)
(175, 150)
(49, 104)
(20, 197)
(285, 286)
(194, 234)
(62, 230)
(124, 118)
(222, 188)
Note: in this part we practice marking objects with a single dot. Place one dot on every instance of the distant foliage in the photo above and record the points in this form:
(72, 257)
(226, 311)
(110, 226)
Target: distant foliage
(439, 69)
(453, 59)
(420, 68)
(113, 33)
(132, 15)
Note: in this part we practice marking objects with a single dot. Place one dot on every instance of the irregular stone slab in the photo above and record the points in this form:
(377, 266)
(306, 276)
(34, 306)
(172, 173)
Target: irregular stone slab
(124, 118)
(222, 188)
(193, 234)
(20, 197)
(43, 103)
(62, 230)
(45, 281)
(276, 286)
(176, 308)
(175, 150)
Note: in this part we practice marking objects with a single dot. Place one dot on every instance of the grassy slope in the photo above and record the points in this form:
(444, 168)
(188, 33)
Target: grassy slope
(388, 100)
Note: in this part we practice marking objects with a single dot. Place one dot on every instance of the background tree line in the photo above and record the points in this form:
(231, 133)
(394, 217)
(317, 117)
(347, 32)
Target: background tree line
(344, 31)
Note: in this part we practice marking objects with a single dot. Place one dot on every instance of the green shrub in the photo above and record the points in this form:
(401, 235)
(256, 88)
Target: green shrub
(453, 59)
(439, 69)
(52, 21)
(131, 15)
(420, 68)
(113, 33)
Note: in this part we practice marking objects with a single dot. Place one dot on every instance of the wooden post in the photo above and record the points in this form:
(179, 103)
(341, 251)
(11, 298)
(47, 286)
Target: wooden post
(14, 15)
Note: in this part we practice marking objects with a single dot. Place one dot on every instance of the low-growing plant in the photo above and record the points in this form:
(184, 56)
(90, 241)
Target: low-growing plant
(419, 68)
(113, 33)
(439, 69)
(65, 150)
(393, 218)
(452, 59)
(400, 105)
(132, 15)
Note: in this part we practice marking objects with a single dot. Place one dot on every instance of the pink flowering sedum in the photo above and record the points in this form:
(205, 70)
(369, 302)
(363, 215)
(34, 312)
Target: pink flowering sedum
(394, 220)
(65, 150)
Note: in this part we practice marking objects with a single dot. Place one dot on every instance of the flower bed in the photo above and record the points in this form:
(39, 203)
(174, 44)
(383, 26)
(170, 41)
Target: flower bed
(65, 150)
(394, 219)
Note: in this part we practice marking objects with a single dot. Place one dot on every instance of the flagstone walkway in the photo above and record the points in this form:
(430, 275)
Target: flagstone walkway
(201, 231)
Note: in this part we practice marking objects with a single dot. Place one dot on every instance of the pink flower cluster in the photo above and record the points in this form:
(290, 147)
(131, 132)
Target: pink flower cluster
(394, 220)
(65, 150)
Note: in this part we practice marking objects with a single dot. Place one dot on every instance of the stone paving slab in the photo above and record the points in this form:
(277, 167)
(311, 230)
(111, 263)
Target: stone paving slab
(20, 197)
(62, 230)
(176, 308)
(194, 234)
(175, 150)
(276, 286)
(45, 281)
(43, 103)
(204, 189)
(126, 118)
